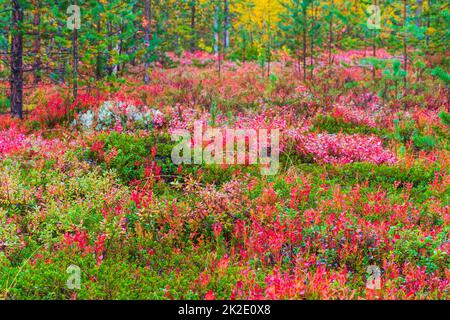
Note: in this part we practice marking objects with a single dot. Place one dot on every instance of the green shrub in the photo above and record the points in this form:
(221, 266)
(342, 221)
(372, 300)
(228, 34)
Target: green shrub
(441, 74)
(384, 174)
(133, 154)
(423, 142)
(4, 104)
(404, 130)
(445, 117)
(336, 125)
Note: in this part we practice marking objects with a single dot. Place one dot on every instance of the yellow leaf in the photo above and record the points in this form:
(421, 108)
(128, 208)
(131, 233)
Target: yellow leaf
(430, 31)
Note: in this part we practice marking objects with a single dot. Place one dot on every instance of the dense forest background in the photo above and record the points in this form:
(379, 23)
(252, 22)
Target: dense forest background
(85, 42)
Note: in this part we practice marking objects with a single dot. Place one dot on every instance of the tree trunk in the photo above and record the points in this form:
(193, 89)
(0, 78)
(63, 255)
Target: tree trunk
(419, 13)
(119, 47)
(147, 31)
(269, 46)
(330, 40)
(405, 51)
(374, 49)
(269, 58)
(312, 41)
(244, 46)
(427, 38)
(98, 69)
(226, 22)
(75, 63)
(109, 65)
(37, 46)
(16, 61)
(217, 38)
(219, 58)
(297, 67)
(304, 42)
(194, 33)
(216, 29)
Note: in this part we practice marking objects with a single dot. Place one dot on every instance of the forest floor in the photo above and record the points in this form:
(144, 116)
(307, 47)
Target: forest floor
(92, 205)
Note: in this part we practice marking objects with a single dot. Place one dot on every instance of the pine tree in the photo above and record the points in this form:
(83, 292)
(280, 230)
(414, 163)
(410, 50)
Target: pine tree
(295, 27)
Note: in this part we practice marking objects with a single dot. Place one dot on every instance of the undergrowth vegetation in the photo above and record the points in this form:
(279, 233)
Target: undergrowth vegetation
(361, 182)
